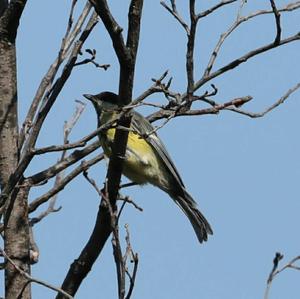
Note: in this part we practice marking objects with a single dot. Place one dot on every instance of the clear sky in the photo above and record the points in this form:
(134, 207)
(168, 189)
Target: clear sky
(243, 172)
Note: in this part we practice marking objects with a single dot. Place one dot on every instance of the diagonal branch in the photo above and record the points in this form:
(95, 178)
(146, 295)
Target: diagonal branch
(240, 20)
(31, 279)
(233, 64)
(47, 80)
(173, 11)
(84, 165)
(112, 27)
(61, 165)
(214, 8)
(47, 104)
(280, 101)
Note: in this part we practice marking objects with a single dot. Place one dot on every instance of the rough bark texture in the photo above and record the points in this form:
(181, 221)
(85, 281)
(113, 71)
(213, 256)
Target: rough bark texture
(16, 236)
(16, 220)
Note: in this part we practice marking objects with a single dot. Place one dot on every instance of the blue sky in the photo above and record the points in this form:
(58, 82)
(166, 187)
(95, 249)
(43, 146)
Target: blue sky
(243, 172)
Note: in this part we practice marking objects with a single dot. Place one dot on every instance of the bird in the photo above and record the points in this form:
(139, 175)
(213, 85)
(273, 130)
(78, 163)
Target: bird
(146, 158)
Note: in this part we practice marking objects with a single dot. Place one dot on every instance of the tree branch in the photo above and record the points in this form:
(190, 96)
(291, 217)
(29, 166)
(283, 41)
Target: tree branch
(277, 20)
(10, 18)
(214, 8)
(31, 279)
(173, 11)
(275, 271)
(48, 102)
(113, 28)
(58, 167)
(84, 165)
(233, 64)
(127, 57)
(240, 20)
(280, 101)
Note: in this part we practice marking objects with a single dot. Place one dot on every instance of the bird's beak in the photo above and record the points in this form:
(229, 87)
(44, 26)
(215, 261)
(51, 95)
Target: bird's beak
(89, 97)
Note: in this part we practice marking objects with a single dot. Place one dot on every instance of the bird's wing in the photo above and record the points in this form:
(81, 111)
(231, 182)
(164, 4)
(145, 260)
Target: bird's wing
(143, 127)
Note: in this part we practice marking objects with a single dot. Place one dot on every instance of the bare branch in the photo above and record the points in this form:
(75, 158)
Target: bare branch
(127, 199)
(190, 51)
(120, 260)
(92, 60)
(134, 259)
(10, 17)
(280, 101)
(31, 279)
(233, 64)
(240, 20)
(67, 129)
(214, 8)
(51, 73)
(112, 27)
(240, 9)
(48, 102)
(173, 11)
(275, 271)
(58, 167)
(277, 20)
(158, 87)
(237, 102)
(84, 165)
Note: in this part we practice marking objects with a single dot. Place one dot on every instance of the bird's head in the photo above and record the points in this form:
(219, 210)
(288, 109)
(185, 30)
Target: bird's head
(104, 101)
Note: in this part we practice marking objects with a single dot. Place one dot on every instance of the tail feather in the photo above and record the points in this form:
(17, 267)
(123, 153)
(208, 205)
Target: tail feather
(201, 226)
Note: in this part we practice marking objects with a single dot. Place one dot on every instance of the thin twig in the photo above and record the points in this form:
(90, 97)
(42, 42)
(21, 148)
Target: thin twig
(92, 60)
(67, 129)
(235, 63)
(280, 101)
(32, 279)
(214, 8)
(53, 170)
(84, 165)
(240, 20)
(237, 102)
(275, 271)
(173, 11)
(240, 9)
(134, 259)
(48, 79)
(127, 199)
(117, 250)
(44, 109)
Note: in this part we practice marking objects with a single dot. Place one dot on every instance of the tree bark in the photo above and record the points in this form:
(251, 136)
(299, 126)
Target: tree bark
(16, 237)
(16, 228)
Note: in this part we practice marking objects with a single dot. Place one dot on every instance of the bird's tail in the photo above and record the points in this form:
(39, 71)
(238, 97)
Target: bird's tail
(201, 226)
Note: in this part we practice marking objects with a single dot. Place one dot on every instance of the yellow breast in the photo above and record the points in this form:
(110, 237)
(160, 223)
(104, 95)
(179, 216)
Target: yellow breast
(141, 164)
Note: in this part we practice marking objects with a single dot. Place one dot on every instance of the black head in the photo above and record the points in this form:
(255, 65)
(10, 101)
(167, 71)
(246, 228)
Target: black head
(103, 97)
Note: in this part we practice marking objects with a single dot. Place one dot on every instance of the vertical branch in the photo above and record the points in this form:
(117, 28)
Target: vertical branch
(277, 20)
(127, 56)
(16, 237)
(3, 6)
(190, 50)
